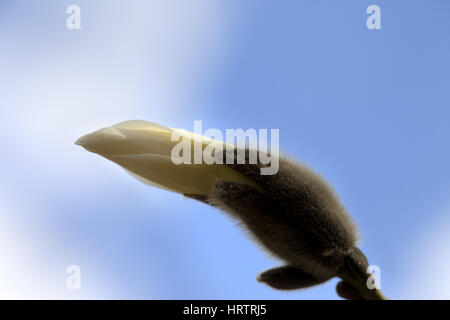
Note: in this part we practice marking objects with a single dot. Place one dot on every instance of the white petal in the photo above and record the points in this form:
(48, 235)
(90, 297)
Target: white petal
(144, 149)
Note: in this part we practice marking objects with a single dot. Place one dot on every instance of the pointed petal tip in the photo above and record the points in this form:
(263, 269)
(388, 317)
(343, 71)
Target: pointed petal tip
(103, 140)
(79, 141)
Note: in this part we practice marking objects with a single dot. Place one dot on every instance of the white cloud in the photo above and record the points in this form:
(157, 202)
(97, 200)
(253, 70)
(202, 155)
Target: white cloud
(31, 265)
(426, 272)
(131, 60)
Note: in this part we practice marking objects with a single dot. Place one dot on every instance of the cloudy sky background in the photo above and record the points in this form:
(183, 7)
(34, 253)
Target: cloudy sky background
(366, 108)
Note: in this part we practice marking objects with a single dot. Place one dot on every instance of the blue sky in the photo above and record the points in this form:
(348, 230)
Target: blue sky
(367, 108)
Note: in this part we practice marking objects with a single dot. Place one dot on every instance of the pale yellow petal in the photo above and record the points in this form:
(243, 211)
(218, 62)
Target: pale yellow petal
(144, 149)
